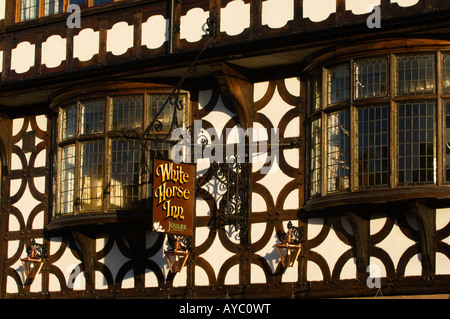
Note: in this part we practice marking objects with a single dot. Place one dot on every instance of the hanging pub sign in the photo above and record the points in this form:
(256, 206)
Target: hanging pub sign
(173, 197)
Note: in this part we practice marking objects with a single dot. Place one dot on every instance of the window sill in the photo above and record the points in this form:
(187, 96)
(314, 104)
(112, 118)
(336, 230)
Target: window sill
(434, 196)
(97, 219)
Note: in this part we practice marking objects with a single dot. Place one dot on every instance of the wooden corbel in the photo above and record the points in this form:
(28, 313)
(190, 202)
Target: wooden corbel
(87, 245)
(361, 232)
(238, 89)
(425, 217)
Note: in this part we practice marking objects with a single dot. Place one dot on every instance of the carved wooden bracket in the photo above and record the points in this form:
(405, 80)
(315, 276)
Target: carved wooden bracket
(425, 217)
(361, 231)
(238, 89)
(135, 235)
(87, 245)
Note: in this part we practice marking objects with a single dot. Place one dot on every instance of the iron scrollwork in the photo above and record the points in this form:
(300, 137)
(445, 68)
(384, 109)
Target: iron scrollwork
(234, 206)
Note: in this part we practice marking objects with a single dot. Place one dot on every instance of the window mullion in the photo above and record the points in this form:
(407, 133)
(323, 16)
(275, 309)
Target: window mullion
(393, 124)
(324, 100)
(107, 157)
(353, 129)
(439, 143)
(78, 155)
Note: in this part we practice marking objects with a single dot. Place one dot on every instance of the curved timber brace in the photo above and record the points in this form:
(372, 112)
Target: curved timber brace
(361, 232)
(425, 217)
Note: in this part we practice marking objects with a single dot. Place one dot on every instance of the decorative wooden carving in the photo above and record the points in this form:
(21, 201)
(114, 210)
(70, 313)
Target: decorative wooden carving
(238, 89)
(425, 217)
(87, 245)
(361, 231)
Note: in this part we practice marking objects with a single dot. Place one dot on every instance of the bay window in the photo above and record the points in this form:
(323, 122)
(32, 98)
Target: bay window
(375, 125)
(99, 167)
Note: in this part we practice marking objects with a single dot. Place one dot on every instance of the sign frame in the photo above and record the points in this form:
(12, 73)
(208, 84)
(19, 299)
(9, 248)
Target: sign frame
(173, 197)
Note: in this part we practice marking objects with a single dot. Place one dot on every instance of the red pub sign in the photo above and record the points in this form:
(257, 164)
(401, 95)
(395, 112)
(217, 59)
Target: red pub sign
(173, 197)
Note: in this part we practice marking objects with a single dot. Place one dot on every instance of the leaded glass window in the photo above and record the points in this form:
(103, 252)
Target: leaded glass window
(370, 78)
(102, 168)
(373, 142)
(415, 74)
(338, 84)
(338, 151)
(315, 157)
(416, 143)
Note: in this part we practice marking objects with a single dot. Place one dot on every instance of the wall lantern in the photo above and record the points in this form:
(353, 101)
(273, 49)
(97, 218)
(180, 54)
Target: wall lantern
(289, 249)
(177, 256)
(32, 264)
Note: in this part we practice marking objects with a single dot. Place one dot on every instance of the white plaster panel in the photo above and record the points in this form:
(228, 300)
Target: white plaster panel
(442, 218)
(26, 203)
(2, 9)
(377, 222)
(269, 251)
(114, 260)
(380, 267)
(259, 89)
(69, 266)
(86, 44)
(22, 58)
(331, 249)
(405, 3)
(155, 31)
(361, 6)
(17, 126)
(395, 244)
(13, 223)
(442, 264)
(276, 13)
(274, 181)
(41, 121)
(258, 203)
(38, 221)
(232, 277)
(1, 61)
(193, 25)
(291, 201)
(201, 208)
(216, 255)
(235, 17)
(315, 225)
(119, 38)
(293, 85)
(276, 109)
(313, 272)
(318, 12)
(53, 51)
(203, 98)
(292, 157)
(414, 266)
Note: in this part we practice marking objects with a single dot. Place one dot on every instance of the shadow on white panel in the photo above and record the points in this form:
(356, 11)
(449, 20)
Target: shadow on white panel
(193, 25)
(317, 13)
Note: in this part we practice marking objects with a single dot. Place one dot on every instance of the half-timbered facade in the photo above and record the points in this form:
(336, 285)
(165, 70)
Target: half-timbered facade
(348, 106)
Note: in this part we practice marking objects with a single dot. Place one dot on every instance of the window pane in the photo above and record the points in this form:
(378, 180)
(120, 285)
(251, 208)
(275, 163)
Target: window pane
(53, 7)
(93, 117)
(447, 140)
(447, 72)
(97, 2)
(373, 133)
(67, 180)
(416, 160)
(415, 74)
(315, 157)
(125, 177)
(91, 183)
(315, 93)
(164, 118)
(370, 78)
(338, 84)
(69, 121)
(127, 112)
(29, 9)
(338, 151)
